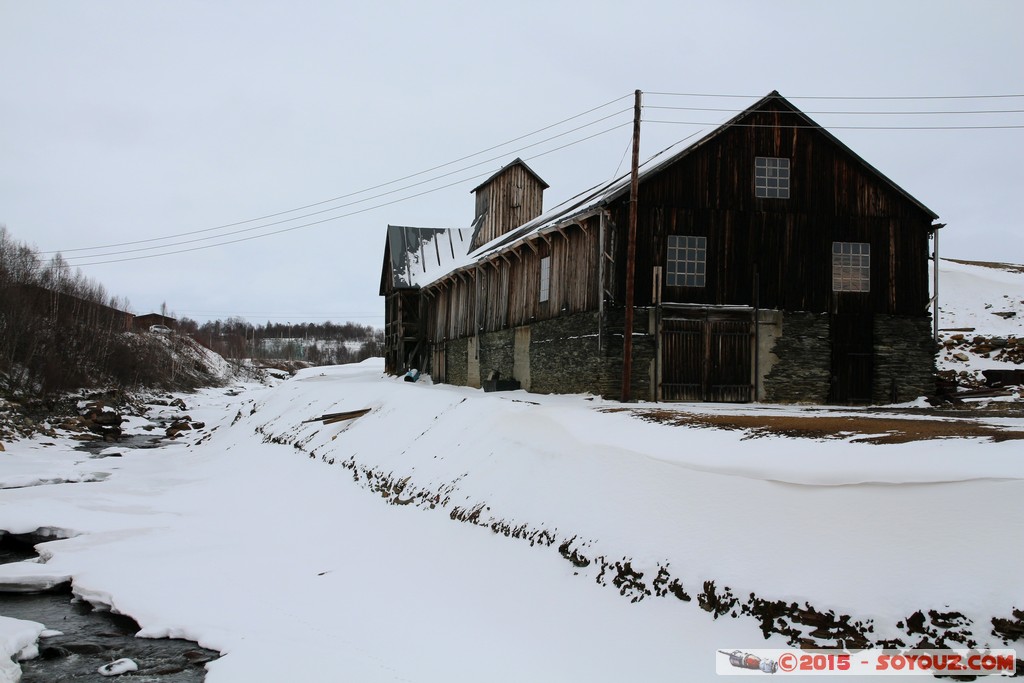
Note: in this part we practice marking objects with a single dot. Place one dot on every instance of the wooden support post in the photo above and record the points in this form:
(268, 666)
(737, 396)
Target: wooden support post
(935, 281)
(634, 186)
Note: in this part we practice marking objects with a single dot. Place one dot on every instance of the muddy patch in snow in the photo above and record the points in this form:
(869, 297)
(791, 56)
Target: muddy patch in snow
(859, 429)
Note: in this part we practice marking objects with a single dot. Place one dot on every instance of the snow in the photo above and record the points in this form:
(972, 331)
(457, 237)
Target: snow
(17, 641)
(118, 667)
(269, 538)
(971, 295)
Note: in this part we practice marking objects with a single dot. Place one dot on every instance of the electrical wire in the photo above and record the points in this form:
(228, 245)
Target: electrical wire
(797, 127)
(364, 190)
(359, 201)
(869, 113)
(70, 259)
(842, 97)
(162, 247)
(324, 220)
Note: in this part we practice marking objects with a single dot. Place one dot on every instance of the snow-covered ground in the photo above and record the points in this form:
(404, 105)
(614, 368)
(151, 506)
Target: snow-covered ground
(541, 538)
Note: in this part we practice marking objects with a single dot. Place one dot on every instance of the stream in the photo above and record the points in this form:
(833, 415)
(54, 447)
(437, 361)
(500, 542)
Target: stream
(91, 638)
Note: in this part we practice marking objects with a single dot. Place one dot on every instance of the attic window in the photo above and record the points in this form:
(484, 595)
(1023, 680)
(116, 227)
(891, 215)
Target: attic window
(686, 263)
(771, 178)
(851, 267)
(545, 278)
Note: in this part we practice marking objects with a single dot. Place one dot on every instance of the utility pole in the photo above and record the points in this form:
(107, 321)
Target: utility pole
(634, 188)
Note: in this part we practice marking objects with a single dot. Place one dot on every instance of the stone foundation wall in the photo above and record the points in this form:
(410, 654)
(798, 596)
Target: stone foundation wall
(456, 360)
(564, 355)
(497, 354)
(803, 371)
(567, 355)
(645, 350)
(904, 358)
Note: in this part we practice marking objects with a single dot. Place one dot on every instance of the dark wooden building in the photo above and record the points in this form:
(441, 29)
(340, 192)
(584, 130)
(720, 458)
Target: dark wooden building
(772, 264)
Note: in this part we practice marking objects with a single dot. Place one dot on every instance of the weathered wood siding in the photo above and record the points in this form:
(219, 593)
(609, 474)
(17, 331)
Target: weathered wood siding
(782, 245)
(512, 198)
(504, 290)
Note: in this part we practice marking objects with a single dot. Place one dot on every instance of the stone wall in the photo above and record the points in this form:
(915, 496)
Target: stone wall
(564, 355)
(497, 354)
(803, 371)
(456, 360)
(643, 383)
(904, 358)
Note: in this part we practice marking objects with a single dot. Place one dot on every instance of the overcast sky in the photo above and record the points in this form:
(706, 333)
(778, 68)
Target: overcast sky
(123, 121)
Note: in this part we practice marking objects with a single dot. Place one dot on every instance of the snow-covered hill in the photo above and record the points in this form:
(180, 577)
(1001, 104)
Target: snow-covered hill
(981, 303)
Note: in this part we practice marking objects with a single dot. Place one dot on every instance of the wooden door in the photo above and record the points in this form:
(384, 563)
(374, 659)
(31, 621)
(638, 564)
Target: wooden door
(707, 357)
(853, 362)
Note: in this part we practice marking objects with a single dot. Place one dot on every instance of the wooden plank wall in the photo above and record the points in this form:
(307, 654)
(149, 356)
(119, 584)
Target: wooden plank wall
(787, 242)
(512, 199)
(507, 286)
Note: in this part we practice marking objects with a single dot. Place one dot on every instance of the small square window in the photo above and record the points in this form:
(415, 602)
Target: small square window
(771, 178)
(686, 260)
(851, 267)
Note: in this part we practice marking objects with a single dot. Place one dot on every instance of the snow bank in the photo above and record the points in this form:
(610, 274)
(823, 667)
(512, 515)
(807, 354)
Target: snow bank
(17, 642)
(274, 536)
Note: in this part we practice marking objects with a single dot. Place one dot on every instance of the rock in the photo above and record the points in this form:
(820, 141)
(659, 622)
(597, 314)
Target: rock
(118, 667)
(177, 427)
(962, 357)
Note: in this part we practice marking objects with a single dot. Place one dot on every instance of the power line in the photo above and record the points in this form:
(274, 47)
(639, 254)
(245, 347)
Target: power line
(870, 113)
(359, 201)
(221, 235)
(768, 125)
(325, 220)
(364, 190)
(845, 97)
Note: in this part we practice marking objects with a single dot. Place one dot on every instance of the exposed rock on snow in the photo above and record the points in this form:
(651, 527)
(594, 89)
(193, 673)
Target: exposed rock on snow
(116, 668)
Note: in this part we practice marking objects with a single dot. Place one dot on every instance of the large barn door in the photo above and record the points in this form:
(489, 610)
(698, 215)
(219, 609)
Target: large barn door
(707, 357)
(682, 353)
(852, 358)
(730, 361)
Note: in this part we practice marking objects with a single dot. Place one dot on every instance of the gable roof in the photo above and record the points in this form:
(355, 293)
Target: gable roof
(515, 162)
(597, 197)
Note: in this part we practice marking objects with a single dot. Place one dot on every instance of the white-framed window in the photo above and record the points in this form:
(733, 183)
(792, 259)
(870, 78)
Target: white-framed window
(771, 178)
(686, 261)
(545, 278)
(851, 267)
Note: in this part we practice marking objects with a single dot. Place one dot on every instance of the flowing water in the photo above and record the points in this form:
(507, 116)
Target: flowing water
(92, 638)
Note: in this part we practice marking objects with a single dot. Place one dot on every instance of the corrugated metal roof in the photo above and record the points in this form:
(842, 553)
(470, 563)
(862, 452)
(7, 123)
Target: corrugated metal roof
(421, 255)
